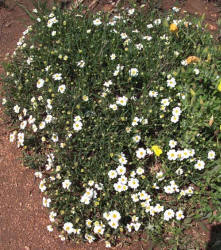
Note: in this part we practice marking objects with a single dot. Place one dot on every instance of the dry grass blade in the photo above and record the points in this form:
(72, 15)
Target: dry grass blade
(77, 3)
(93, 4)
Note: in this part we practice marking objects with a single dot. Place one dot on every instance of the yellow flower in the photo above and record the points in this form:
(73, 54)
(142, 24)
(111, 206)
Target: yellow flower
(157, 150)
(219, 86)
(173, 27)
(191, 59)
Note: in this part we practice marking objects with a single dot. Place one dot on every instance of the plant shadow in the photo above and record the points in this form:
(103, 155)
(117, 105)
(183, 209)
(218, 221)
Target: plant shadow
(215, 238)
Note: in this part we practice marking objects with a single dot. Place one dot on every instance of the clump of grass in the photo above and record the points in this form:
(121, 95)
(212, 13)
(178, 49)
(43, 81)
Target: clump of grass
(121, 117)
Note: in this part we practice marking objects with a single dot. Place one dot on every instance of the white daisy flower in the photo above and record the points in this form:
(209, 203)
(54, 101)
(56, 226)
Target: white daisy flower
(42, 186)
(50, 228)
(172, 143)
(172, 155)
(54, 137)
(136, 226)
(68, 227)
(179, 171)
(168, 214)
(153, 93)
(171, 83)
(122, 159)
(148, 38)
(61, 88)
(66, 184)
(86, 200)
(4, 101)
(107, 244)
(157, 22)
(16, 109)
(155, 186)
(106, 215)
(34, 128)
(186, 153)
(135, 121)
(112, 56)
(133, 72)
(199, 165)
(90, 238)
(89, 223)
(150, 26)
(108, 83)
(99, 230)
(211, 155)
(123, 35)
(133, 183)
(184, 63)
(196, 71)
(143, 195)
(57, 76)
(122, 101)
(136, 138)
(168, 189)
(174, 118)
(77, 126)
(12, 136)
(176, 111)
(131, 11)
(46, 202)
(158, 208)
(42, 125)
(113, 107)
(141, 153)
(115, 215)
(176, 53)
(135, 197)
(140, 171)
(113, 224)
(160, 176)
(175, 9)
(81, 64)
(23, 125)
(52, 216)
(122, 179)
(61, 237)
(97, 22)
(139, 46)
(165, 102)
(77, 118)
(121, 170)
(149, 152)
(189, 191)
(179, 215)
(48, 118)
(112, 174)
(51, 22)
(89, 192)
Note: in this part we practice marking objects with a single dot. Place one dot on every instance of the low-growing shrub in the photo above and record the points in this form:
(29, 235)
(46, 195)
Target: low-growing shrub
(121, 115)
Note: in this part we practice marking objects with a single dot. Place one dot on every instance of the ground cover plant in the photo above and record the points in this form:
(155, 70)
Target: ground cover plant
(120, 115)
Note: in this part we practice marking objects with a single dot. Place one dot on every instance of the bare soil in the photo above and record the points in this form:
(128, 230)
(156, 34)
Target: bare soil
(23, 220)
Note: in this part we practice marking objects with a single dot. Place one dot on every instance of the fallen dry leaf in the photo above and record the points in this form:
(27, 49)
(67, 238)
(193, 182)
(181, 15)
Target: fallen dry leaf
(212, 27)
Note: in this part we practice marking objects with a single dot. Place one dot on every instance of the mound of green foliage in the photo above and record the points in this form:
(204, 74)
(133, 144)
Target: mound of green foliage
(120, 114)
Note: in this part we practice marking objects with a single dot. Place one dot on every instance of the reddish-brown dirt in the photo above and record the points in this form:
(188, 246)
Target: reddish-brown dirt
(23, 220)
